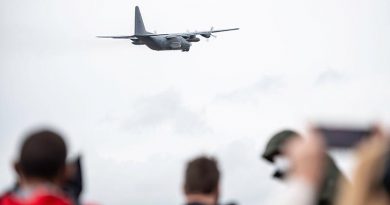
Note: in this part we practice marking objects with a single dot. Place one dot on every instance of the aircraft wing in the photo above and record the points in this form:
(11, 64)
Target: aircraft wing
(118, 37)
(205, 34)
(188, 34)
(217, 31)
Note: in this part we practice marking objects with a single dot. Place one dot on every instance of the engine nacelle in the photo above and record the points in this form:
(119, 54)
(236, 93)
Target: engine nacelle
(193, 39)
(206, 35)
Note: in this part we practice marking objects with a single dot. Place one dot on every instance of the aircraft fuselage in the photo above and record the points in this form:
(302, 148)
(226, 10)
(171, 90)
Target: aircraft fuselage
(160, 43)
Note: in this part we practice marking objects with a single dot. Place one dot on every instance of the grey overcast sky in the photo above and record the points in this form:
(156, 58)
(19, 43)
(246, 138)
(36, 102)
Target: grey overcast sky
(138, 115)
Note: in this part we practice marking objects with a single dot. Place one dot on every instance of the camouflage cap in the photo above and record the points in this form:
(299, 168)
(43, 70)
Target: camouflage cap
(275, 143)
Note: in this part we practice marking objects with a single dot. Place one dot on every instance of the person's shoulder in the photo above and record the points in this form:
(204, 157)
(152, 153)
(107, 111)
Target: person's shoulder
(3, 197)
(51, 200)
(7, 199)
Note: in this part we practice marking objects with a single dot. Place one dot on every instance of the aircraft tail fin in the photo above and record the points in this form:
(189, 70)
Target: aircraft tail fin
(139, 28)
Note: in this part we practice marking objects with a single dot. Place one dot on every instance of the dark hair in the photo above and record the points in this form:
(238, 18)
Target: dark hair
(275, 144)
(201, 176)
(43, 155)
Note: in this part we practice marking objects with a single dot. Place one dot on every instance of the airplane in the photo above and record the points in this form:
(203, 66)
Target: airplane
(162, 42)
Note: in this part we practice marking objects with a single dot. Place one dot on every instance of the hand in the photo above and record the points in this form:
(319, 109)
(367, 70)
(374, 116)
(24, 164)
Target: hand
(307, 157)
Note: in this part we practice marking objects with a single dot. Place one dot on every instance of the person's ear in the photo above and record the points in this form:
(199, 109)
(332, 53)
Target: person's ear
(60, 178)
(69, 171)
(17, 168)
(63, 172)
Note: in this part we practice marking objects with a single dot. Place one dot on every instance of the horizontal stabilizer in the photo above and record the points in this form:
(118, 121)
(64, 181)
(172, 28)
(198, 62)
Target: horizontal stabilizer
(223, 30)
(118, 37)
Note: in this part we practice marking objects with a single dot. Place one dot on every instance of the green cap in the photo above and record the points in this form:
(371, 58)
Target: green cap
(276, 142)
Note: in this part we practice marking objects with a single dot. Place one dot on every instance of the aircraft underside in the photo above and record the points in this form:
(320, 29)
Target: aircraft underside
(161, 43)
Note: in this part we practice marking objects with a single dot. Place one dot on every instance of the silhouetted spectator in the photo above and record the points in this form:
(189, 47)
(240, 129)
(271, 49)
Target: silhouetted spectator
(41, 170)
(201, 182)
(275, 153)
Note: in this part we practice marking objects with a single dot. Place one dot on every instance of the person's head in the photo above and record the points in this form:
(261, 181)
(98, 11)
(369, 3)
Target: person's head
(274, 151)
(202, 178)
(42, 157)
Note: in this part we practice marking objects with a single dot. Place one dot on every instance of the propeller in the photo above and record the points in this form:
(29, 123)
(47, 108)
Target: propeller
(211, 30)
(211, 34)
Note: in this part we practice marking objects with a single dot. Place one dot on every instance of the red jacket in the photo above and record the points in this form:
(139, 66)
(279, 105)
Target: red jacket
(40, 199)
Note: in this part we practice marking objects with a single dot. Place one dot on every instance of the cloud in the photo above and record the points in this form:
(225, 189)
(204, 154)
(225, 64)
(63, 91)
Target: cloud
(265, 85)
(329, 76)
(164, 109)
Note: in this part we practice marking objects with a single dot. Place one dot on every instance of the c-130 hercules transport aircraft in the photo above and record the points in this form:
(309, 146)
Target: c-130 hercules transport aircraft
(159, 42)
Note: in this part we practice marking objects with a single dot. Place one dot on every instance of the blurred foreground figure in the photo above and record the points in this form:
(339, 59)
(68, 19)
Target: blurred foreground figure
(201, 182)
(310, 174)
(371, 180)
(41, 171)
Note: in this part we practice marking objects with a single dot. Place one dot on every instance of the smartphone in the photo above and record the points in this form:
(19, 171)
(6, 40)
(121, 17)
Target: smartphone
(344, 137)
